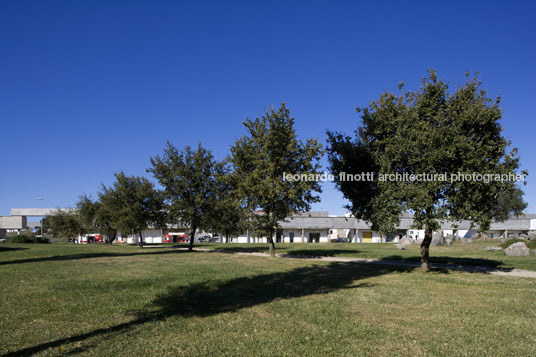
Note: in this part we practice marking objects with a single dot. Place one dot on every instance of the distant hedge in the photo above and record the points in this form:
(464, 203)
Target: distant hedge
(26, 238)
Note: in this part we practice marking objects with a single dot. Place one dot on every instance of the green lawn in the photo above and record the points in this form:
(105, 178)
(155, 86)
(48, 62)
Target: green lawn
(107, 300)
(459, 253)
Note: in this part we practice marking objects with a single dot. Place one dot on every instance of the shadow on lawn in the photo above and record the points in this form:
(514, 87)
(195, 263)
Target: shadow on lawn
(264, 249)
(312, 253)
(53, 258)
(215, 297)
(471, 265)
(8, 249)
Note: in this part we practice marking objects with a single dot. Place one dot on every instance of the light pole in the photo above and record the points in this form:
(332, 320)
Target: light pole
(42, 216)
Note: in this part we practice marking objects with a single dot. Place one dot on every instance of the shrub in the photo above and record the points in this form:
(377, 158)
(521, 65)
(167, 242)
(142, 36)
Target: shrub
(26, 238)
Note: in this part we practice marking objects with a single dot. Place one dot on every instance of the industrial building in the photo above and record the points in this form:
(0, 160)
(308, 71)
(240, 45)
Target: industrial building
(309, 227)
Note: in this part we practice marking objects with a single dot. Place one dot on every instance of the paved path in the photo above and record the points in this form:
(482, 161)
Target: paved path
(483, 269)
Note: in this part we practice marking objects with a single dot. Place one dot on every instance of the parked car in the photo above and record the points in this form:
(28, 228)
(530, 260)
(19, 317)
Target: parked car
(203, 239)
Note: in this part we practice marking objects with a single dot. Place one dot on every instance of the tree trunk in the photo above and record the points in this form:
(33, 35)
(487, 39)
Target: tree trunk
(114, 234)
(141, 240)
(425, 248)
(192, 237)
(272, 246)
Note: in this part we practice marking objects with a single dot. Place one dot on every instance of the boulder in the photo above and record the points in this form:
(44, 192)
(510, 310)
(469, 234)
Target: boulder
(449, 239)
(405, 241)
(437, 239)
(518, 249)
(401, 246)
(492, 248)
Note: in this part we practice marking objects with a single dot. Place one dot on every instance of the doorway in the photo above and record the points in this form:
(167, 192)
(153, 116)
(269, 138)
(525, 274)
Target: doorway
(314, 237)
(367, 237)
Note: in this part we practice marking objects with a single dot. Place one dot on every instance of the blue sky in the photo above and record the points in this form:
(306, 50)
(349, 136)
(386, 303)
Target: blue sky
(89, 88)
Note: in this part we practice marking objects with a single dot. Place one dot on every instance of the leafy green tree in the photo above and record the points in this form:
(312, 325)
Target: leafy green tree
(231, 217)
(190, 181)
(65, 224)
(429, 131)
(270, 150)
(95, 217)
(133, 204)
(509, 203)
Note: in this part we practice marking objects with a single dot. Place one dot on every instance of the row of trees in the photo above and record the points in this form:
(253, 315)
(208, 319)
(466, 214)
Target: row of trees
(429, 130)
(244, 191)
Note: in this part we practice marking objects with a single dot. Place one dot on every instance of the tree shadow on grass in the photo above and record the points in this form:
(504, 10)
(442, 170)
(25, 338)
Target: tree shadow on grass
(215, 297)
(54, 258)
(9, 249)
(317, 253)
(471, 265)
(241, 249)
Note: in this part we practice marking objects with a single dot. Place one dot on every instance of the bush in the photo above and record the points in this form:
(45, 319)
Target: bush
(529, 244)
(26, 238)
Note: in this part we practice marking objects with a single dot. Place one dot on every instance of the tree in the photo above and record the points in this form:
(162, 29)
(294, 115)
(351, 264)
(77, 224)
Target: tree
(270, 150)
(65, 224)
(133, 204)
(509, 203)
(427, 131)
(95, 217)
(190, 185)
(230, 217)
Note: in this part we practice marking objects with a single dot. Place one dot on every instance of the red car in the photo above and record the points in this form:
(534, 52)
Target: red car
(174, 238)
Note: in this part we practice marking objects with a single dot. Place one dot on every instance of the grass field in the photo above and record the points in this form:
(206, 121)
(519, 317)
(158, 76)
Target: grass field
(107, 300)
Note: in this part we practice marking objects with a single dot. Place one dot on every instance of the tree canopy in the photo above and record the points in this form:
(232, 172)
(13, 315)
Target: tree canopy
(65, 224)
(95, 217)
(191, 187)
(261, 158)
(132, 204)
(426, 131)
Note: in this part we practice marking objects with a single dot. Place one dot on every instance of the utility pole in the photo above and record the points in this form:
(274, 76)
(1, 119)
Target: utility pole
(42, 217)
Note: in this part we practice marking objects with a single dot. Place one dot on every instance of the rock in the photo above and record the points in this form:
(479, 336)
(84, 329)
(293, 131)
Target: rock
(518, 249)
(484, 235)
(449, 239)
(492, 248)
(401, 246)
(405, 241)
(437, 239)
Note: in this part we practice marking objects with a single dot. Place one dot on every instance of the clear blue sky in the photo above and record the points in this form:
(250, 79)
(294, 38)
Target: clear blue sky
(88, 88)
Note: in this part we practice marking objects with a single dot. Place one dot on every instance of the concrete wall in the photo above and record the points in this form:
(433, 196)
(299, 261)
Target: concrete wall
(13, 222)
(34, 212)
